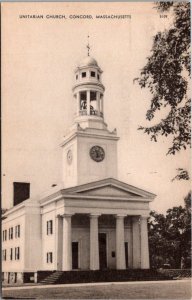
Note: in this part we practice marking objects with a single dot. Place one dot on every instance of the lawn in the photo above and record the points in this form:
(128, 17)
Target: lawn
(153, 290)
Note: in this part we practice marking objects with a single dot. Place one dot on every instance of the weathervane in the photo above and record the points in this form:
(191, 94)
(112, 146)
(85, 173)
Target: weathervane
(88, 46)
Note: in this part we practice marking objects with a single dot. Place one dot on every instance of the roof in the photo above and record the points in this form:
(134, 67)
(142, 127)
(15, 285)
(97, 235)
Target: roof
(109, 188)
(88, 62)
(112, 182)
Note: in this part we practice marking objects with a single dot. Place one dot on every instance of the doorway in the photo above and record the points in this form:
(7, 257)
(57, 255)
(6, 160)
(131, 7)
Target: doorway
(102, 251)
(75, 255)
(126, 255)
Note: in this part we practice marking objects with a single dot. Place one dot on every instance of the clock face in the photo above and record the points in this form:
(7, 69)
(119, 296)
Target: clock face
(69, 157)
(97, 153)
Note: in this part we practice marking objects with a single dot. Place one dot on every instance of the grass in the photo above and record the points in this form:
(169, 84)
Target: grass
(154, 290)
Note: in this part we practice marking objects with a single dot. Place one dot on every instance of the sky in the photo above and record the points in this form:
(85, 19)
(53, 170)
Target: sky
(38, 61)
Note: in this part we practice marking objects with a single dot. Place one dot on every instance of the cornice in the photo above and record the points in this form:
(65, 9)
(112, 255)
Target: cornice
(88, 67)
(111, 198)
(89, 84)
(26, 203)
(65, 196)
(109, 136)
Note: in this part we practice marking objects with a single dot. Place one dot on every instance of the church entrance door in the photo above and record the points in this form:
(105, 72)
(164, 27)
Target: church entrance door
(75, 255)
(126, 255)
(102, 251)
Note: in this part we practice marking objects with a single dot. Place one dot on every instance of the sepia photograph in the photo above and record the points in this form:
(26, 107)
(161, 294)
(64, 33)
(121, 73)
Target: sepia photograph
(96, 135)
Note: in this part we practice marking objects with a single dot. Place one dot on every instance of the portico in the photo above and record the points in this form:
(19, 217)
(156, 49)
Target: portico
(111, 235)
(141, 260)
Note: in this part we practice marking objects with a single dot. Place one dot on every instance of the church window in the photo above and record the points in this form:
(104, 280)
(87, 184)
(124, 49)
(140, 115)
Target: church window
(76, 77)
(49, 227)
(83, 74)
(4, 235)
(17, 253)
(49, 257)
(4, 255)
(98, 77)
(92, 74)
(11, 254)
(17, 231)
(11, 233)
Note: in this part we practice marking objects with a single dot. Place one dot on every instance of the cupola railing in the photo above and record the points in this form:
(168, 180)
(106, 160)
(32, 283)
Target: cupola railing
(93, 112)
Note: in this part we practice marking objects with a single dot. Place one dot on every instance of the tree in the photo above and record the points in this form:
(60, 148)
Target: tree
(179, 234)
(160, 247)
(166, 74)
(170, 237)
(181, 175)
(157, 242)
(187, 201)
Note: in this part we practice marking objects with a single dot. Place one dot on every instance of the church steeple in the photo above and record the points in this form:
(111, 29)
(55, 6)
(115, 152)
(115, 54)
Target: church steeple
(89, 149)
(88, 90)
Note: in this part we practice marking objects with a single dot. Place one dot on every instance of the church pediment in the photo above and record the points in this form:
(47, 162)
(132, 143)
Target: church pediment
(109, 188)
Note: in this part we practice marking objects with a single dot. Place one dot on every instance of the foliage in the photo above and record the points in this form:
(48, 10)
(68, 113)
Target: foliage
(170, 238)
(187, 201)
(182, 174)
(166, 74)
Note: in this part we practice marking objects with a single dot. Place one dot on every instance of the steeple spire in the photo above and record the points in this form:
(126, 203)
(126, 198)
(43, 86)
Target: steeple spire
(88, 46)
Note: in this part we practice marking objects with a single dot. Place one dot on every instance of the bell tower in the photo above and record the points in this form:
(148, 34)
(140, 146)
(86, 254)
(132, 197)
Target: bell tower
(88, 92)
(89, 149)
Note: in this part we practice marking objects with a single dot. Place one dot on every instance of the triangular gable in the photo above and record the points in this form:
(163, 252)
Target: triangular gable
(109, 187)
(109, 190)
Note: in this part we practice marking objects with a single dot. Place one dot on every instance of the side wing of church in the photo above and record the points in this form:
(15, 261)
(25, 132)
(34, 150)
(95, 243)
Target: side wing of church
(93, 221)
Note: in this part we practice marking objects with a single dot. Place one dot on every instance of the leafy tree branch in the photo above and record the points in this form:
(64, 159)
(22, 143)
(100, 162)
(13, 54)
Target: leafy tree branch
(166, 74)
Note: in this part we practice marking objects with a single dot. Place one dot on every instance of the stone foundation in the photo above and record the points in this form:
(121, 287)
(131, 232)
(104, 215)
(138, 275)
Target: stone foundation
(18, 277)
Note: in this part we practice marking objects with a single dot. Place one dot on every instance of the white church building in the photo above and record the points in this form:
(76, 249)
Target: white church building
(93, 221)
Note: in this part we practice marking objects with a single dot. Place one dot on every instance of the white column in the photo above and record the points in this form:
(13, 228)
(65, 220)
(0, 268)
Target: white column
(101, 101)
(58, 242)
(94, 243)
(144, 244)
(120, 242)
(88, 103)
(78, 102)
(67, 248)
(136, 242)
(98, 104)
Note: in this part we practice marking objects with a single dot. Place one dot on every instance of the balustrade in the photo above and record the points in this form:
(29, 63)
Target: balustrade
(83, 112)
(93, 112)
